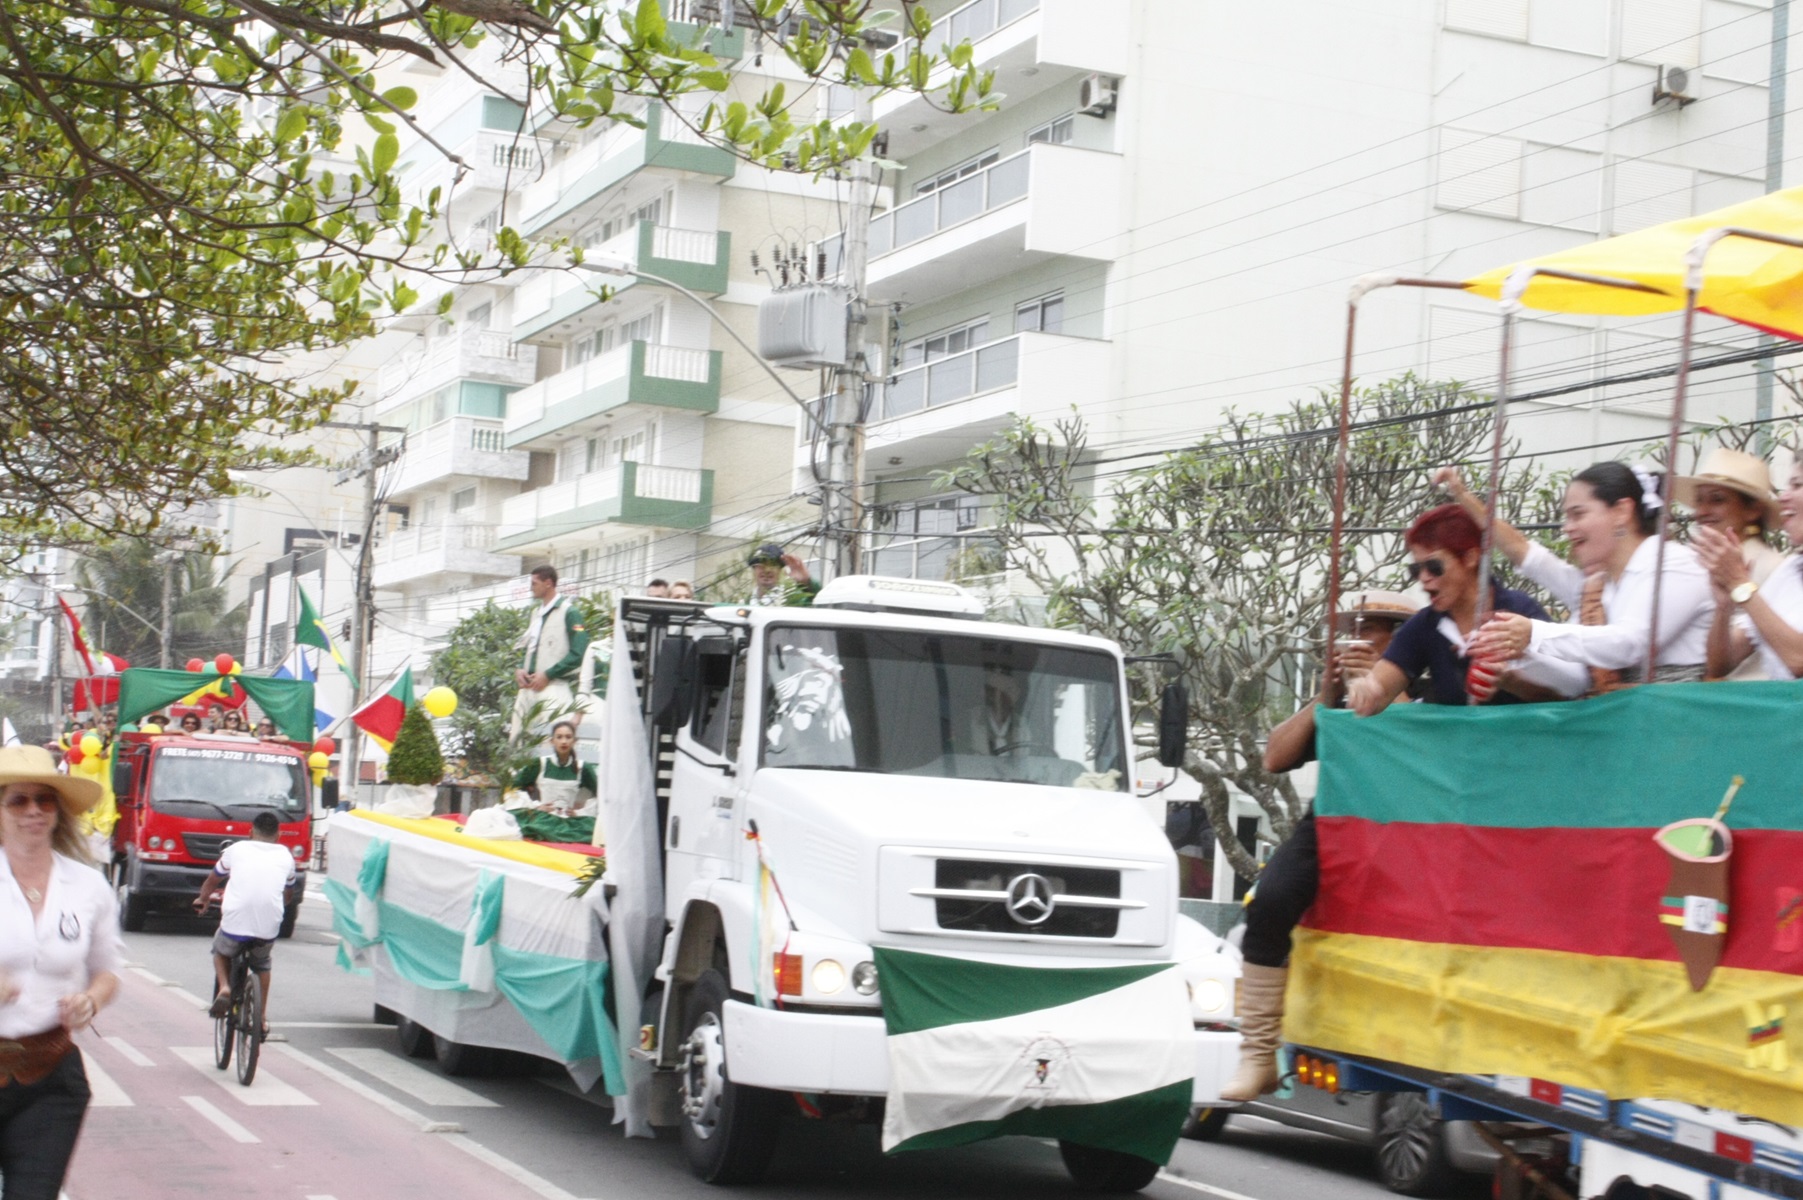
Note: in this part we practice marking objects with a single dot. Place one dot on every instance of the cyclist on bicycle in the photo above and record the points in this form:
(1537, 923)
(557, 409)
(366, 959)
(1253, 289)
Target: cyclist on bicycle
(255, 876)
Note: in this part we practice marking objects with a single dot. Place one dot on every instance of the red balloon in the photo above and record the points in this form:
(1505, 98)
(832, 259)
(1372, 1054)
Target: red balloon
(224, 663)
(73, 756)
(194, 664)
(325, 745)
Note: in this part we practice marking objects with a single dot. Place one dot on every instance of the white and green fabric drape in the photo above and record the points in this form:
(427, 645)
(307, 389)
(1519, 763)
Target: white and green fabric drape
(477, 948)
(1101, 1056)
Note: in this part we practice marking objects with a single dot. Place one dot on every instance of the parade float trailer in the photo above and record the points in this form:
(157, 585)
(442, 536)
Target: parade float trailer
(876, 859)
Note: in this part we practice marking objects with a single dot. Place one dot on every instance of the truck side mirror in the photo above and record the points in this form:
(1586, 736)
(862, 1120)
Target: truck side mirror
(1173, 725)
(673, 683)
(122, 776)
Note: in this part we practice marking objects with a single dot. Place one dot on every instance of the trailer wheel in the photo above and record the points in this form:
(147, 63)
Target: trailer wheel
(728, 1130)
(416, 1040)
(459, 1059)
(1110, 1172)
(1411, 1146)
(1207, 1124)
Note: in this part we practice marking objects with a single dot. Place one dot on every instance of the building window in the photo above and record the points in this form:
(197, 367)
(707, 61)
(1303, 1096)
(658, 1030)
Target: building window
(1056, 133)
(947, 341)
(463, 499)
(962, 171)
(1044, 315)
(480, 317)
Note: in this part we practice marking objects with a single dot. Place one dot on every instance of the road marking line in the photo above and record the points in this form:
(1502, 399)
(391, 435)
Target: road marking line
(424, 1123)
(227, 1126)
(106, 1093)
(1208, 1188)
(425, 1086)
(509, 1168)
(129, 1052)
(147, 973)
(266, 1092)
(326, 1025)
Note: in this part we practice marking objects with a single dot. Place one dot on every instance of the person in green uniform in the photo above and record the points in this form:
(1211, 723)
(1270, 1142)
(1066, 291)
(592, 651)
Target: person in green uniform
(560, 781)
(552, 651)
(767, 564)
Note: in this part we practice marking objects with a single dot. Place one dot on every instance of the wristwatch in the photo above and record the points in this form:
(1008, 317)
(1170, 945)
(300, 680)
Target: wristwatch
(1740, 593)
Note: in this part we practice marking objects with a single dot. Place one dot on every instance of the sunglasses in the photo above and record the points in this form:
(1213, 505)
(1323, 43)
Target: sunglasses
(45, 803)
(1435, 567)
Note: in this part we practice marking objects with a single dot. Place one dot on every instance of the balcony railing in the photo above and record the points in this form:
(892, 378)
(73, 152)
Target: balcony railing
(952, 378)
(610, 485)
(699, 254)
(980, 18)
(473, 353)
(448, 448)
(677, 363)
(999, 184)
(457, 535)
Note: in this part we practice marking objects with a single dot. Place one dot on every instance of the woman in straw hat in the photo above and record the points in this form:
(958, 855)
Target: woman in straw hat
(1753, 614)
(1732, 494)
(59, 961)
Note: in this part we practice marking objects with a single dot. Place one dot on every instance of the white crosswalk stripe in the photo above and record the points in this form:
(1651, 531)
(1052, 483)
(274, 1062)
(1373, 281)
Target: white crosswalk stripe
(265, 1092)
(129, 1052)
(425, 1086)
(227, 1126)
(106, 1093)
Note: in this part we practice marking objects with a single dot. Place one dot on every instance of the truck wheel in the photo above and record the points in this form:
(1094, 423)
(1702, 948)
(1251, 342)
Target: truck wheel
(728, 1131)
(416, 1040)
(132, 908)
(1112, 1172)
(1411, 1146)
(459, 1059)
(1207, 1124)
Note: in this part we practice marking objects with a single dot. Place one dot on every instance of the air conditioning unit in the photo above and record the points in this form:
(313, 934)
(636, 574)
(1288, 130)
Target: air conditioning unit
(1673, 83)
(1096, 95)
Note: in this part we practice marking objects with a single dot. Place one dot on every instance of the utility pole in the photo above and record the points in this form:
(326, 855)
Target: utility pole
(363, 601)
(842, 506)
(167, 616)
(1774, 179)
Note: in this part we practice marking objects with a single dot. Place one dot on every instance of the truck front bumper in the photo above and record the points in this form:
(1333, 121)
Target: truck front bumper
(179, 883)
(833, 1054)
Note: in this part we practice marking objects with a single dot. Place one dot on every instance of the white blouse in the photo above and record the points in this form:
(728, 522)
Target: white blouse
(1686, 608)
(73, 939)
(1783, 593)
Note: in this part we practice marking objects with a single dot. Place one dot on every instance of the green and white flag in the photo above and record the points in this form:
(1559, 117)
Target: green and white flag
(1101, 1056)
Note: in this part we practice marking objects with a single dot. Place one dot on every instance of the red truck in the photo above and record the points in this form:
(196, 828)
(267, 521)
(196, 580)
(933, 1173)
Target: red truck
(183, 798)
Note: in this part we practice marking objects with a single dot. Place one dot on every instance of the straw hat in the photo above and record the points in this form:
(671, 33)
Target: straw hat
(1738, 472)
(1376, 605)
(33, 764)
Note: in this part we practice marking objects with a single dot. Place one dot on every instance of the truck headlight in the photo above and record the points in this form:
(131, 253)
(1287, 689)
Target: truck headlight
(829, 977)
(1208, 996)
(863, 979)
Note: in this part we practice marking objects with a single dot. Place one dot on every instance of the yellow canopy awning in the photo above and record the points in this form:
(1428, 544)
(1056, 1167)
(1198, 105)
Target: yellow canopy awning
(1755, 283)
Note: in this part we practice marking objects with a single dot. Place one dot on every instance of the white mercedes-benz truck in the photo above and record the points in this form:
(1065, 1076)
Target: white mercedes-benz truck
(886, 771)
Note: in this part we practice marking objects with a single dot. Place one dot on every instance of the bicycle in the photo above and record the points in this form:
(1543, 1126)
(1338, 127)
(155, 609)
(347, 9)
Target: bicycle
(242, 1025)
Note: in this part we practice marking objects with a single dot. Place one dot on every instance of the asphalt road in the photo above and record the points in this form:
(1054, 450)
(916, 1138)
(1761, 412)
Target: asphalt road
(337, 1113)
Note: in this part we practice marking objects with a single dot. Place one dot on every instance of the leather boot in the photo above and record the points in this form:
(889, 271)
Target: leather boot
(1261, 1031)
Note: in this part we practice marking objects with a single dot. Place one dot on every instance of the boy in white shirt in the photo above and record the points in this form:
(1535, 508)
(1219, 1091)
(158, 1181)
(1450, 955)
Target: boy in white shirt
(255, 876)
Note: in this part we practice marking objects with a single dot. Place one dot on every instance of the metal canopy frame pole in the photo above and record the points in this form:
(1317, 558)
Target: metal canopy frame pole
(1694, 261)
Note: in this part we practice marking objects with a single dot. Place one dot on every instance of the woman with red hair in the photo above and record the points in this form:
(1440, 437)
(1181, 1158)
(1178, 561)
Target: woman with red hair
(1445, 550)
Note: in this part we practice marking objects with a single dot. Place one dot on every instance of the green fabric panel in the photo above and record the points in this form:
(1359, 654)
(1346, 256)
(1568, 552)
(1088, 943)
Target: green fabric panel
(1147, 1125)
(563, 1000)
(374, 869)
(538, 826)
(288, 702)
(1634, 759)
(490, 886)
(424, 953)
(926, 991)
(344, 919)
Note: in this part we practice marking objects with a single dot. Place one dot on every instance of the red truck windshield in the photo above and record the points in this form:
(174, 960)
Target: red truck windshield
(235, 784)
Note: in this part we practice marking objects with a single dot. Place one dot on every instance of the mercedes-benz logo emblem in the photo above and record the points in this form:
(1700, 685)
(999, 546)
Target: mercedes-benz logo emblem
(1030, 899)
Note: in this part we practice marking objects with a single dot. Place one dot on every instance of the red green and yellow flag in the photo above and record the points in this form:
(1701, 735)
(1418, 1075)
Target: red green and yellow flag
(311, 631)
(1492, 897)
(381, 716)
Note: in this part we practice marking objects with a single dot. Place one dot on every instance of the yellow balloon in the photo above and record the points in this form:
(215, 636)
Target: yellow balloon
(318, 761)
(90, 765)
(237, 668)
(90, 745)
(319, 776)
(151, 728)
(441, 701)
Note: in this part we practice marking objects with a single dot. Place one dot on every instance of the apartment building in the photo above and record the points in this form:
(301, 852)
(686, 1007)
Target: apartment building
(1163, 219)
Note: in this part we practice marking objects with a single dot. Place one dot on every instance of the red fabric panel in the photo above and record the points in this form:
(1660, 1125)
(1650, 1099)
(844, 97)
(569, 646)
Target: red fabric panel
(1585, 891)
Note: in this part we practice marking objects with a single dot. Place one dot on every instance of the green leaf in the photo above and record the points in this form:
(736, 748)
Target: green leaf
(290, 125)
(388, 149)
(401, 97)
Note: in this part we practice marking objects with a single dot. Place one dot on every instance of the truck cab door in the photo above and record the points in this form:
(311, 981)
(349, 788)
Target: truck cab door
(705, 792)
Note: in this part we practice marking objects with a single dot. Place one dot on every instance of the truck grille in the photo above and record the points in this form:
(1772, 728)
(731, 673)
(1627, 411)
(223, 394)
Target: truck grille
(976, 896)
(207, 847)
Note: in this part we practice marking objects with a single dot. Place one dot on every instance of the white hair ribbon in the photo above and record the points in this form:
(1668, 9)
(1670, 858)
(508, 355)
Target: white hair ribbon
(1649, 489)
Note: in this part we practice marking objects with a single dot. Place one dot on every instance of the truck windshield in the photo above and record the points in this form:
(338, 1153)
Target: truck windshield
(236, 784)
(898, 702)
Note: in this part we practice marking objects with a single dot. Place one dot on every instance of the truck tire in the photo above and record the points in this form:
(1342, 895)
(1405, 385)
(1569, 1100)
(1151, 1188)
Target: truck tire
(1206, 1124)
(459, 1059)
(728, 1130)
(133, 907)
(1109, 1172)
(1410, 1146)
(416, 1040)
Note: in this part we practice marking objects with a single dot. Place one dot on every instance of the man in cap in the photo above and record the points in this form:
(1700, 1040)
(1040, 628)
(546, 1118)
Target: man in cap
(767, 564)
